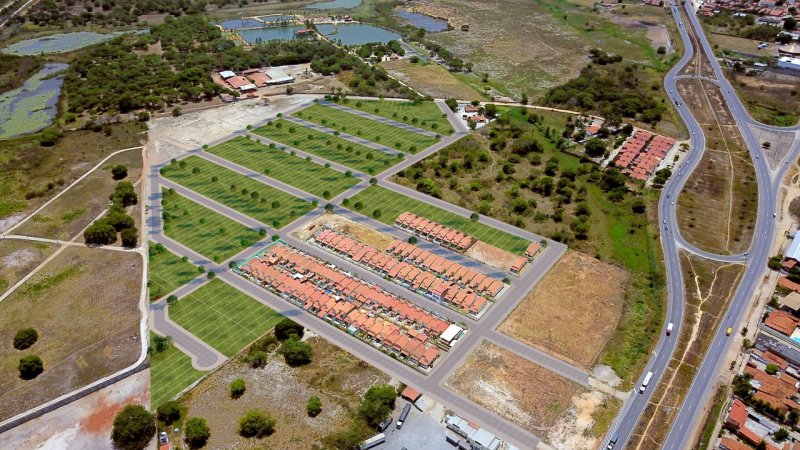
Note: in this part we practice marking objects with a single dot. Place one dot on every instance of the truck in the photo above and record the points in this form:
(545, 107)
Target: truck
(670, 326)
(645, 382)
(403, 415)
(378, 439)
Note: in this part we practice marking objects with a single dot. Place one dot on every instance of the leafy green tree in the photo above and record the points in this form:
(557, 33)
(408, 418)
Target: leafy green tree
(120, 221)
(451, 103)
(169, 412)
(119, 172)
(124, 194)
(130, 237)
(286, 328)
(595, 147)
(237, 388)
(296, 352)
(30, 367)
(256, 424)
(197, 432)
(314, 406)
(102, 232)
(161, 343)
(377, 404)
(25, 338)
(134, 427)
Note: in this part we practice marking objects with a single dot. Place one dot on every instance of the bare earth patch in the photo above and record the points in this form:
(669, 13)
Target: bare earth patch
(573, 311)
(363, 233)
(491, 255)
(18, 258)
(587, 419)
(513, 387)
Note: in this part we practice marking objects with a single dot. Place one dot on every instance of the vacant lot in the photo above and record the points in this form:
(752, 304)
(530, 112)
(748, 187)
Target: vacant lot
(513, 387)
(171, 372)
(18, 258)
(355, 125)
(223, 317)
(209, 233)
(385, 205)
(560, 316)
(716, 209)
(363, 233)
(78, 207)
(423, 114)
(167, 271)
(772, 98)
(431, 79)
(333, 148)
(84, 305)
(335, 376)
(252, 198)
(283, 166)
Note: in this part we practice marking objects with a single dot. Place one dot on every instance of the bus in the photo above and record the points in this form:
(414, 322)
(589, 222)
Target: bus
(378, 439)
(403, 415)
(646, 381)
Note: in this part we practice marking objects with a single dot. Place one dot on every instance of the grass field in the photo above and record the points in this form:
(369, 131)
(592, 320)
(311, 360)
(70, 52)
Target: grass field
(431, 79)
(167, 271)
(425, 115)
(292, 170)
(332, 148)
(239, 192)
(391, 204)
(223, 317)
(171, 372)
(203, 230)
(390, 136)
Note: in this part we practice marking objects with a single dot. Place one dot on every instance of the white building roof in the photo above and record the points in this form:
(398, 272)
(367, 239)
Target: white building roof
(278, 76)
(227, 74)
(486, 439)
(793, 251)
(451, 333)
(789, 60)
(248, 87)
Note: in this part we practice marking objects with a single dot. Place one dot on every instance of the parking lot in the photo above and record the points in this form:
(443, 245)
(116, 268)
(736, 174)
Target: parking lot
(418, 427)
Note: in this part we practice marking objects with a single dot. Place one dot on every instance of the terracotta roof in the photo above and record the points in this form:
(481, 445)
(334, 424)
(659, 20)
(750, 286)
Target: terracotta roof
(782, 321)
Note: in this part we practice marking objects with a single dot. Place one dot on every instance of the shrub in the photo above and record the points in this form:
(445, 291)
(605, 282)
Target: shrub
(256, 424)
(314, 406)
(119, 172)
(237, 388)
(25, 338)
(101, 232)
(129, 237)
(286, 328)
(197, 432)
(169, 412)
(296, 353)
(30, 367)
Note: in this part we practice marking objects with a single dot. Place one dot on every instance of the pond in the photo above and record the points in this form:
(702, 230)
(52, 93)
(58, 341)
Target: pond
(278, 18)
(59, 43)
(342, 4)
(270, 34)
(424, 21)
(357, 33)
(237, 24)
(31, 107)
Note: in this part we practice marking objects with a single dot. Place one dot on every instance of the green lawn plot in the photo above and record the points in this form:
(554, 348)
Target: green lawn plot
(385, 205)
(283, 166)
(171, 372)
(425, 115)
(223, 317)
(380, 133)
(330, 147)
(166, 271)
(209, 233)
(244, 194)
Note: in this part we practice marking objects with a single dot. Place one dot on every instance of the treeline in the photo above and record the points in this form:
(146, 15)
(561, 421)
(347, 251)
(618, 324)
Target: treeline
(104, 231)
(61, 13)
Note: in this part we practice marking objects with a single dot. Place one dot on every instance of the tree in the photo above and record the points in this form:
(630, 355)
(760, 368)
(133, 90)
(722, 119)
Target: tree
(771, 369)
(377, 404)
(412, 240)
(100, 233)
(661, 50)
(124, 194)
(490, 110)
(120, 221)
(237, 388)
(451, 103)
(176, 111)
(781, 434)
(169, 412)
(172, 299)
(256, 424)
(133, 428)
(286, 328)
(595, 147)
(161, 343)
(119, 172)
(789, 23)
(296, 352)
(197, 432)
(49, 137)
(524, 99)
(314, 406)
(30, 367)
(25, 338)
(638, 206)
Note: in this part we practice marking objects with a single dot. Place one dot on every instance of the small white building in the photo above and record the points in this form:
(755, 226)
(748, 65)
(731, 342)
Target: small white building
(225, 74)
(787, 62)
(451, 334)
(277, 76)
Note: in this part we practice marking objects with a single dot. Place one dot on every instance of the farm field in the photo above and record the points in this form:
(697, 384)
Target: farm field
(167, 271)
(223, 317)
(98, 291)
(84, 202)
(513, 387)
(333, 148)
(207, 232)
(171, 372)
(431, 79)
(18, 258)
(244, 194)
(385, 205)
(355, 125)
(575, 330)
(285, 167)
(425, 115)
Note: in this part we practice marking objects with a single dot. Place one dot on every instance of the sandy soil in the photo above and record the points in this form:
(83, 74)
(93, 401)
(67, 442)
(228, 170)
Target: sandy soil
(344, 225)
(18, 258)
(491, 255)
(337, 377)
(580, 429)
(573, 311)
(515, 388)
(85, 423)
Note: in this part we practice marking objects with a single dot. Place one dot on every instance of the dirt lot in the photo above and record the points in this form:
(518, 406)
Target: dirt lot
(491, 255)
(18, 258)
(559, 317)
(84, 305)
(586, 422)
(363, 233)
(709, 287)
(716, 209)
(431, 79)
(515, 388)
(337, 377)
(771, 97)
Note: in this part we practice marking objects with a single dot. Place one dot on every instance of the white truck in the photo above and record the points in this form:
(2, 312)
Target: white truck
(645, 382)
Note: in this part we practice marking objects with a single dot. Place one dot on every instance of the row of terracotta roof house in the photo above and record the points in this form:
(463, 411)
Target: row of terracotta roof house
(641, 154)
(435, 232)
(419, 270)
(364, 310)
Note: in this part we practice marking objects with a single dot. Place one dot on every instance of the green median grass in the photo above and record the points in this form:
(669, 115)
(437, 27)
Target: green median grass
(370, 130)
(166, 271)
(252, 198)
(422, 114)
(285, 167)
(385, 205)
(207, 232)
(223, 317)
(333, 148)
(171, 372)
